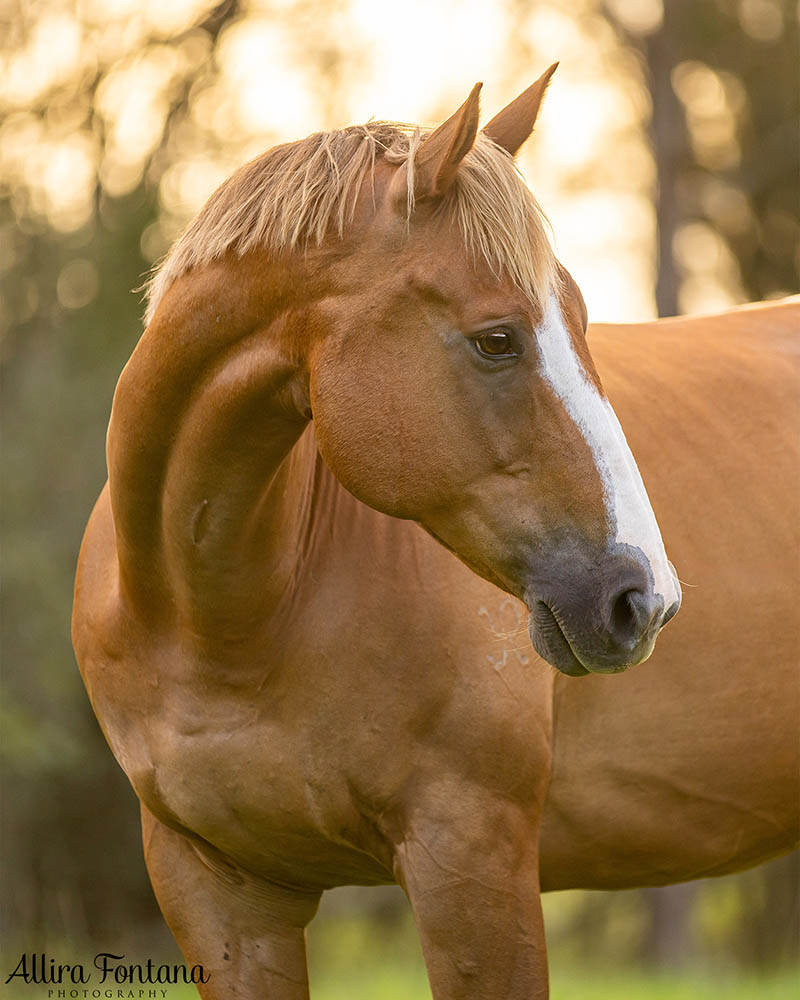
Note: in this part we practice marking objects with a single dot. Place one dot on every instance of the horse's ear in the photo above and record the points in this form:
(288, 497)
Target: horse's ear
(512, 126)
(437, 157)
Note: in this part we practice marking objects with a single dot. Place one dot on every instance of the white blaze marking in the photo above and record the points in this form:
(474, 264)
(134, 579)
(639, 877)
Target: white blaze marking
(630, 516)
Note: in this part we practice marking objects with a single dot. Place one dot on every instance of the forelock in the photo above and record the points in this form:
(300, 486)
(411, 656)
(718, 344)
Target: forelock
(305, 192)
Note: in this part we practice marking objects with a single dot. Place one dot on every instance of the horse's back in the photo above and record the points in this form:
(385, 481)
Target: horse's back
(695, 755)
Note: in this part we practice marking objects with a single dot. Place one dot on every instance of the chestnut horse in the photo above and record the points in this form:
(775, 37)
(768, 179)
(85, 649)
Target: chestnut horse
(363, 335)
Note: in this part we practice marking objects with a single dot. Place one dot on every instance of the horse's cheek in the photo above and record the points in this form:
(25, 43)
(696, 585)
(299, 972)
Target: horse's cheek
(359, 445)
(378, 442)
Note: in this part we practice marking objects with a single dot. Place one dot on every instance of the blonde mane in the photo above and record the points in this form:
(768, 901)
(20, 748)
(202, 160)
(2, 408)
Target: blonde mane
(303, 191)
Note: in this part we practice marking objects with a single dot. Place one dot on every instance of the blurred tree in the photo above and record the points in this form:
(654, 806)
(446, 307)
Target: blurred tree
(768, 931)
(724, 85)
(58, 377)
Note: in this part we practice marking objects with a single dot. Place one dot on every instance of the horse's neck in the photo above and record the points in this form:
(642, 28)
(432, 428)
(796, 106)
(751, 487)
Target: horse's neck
(205, 505)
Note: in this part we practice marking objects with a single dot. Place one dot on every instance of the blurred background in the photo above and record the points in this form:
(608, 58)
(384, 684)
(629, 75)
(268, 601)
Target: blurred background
(667, 159)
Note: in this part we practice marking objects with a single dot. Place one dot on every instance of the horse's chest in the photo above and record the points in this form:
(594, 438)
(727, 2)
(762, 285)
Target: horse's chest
(235, 780)
(301, 760)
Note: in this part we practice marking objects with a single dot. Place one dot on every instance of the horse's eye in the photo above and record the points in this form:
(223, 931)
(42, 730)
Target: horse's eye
(495, 344)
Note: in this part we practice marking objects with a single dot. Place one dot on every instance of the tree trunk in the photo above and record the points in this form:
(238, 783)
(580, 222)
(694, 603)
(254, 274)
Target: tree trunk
(668, 140)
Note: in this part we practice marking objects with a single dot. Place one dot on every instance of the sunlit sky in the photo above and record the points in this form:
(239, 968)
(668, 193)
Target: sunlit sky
(588, 164)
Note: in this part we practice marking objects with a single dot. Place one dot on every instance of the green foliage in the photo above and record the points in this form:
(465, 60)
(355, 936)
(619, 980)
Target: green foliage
(396, 982)
(59, 372)
(351, 958)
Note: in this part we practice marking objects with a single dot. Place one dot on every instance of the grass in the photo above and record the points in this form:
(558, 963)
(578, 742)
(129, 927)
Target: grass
(356, 958)
(639, 986)
(402, 983)
(388, 980)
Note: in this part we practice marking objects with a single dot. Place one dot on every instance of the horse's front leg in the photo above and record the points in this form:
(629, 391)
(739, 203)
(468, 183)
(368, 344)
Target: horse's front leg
(470, 868)
(248, 934)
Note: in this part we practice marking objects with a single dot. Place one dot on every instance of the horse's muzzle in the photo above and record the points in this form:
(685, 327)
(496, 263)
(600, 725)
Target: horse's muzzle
(605, 626)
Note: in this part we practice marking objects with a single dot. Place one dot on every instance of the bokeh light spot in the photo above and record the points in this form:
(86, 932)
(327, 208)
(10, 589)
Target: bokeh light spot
(761, 19)
(642, 17)
(78, 283)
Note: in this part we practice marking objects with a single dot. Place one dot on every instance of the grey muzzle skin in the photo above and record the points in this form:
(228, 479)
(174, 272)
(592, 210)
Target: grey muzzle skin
(602, 616)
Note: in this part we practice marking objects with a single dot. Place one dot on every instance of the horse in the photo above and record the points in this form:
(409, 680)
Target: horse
(360, 445)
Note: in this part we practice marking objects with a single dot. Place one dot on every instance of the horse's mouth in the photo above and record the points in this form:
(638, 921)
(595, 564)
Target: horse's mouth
(549, 638)
(550, 642)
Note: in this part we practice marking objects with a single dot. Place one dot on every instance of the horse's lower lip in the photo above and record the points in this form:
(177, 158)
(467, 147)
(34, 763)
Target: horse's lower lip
(550, 642)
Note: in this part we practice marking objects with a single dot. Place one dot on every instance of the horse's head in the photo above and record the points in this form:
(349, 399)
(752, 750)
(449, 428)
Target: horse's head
(453, 385)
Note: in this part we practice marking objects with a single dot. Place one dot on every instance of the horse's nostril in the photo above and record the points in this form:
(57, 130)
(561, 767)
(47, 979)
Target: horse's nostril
(623, 613)
(631, 614)
(671, 613)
